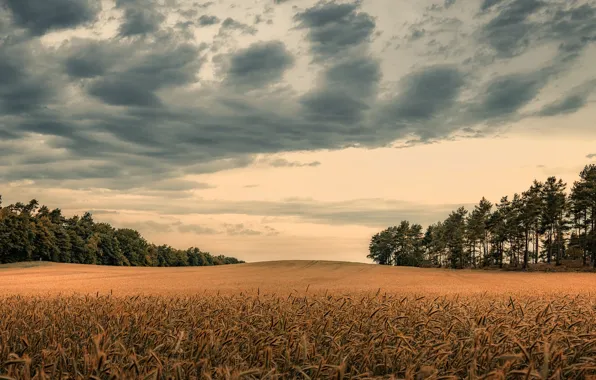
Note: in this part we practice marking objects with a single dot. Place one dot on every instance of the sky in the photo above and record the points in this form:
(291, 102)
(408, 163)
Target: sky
(290, 129)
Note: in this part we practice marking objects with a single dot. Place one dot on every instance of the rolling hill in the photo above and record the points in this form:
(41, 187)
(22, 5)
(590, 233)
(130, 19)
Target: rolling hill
(280, 277)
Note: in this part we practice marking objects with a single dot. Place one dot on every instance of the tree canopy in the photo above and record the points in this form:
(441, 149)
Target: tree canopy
(542, 224)
(29, 232)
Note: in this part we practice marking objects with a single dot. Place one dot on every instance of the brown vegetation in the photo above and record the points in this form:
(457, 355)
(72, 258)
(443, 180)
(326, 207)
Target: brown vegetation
(294, 320)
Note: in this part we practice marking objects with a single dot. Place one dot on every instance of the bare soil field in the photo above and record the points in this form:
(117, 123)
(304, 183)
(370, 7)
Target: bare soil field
(281, 277)
(294, 320)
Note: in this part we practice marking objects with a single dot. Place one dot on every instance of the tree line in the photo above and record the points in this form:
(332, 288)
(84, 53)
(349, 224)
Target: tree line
(29, 232)
(542, 224)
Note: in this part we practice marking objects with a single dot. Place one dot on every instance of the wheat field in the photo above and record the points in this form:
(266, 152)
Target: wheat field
(299, 319)
(282, 278)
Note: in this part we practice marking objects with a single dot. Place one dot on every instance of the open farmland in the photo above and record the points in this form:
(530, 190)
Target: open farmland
(294, 319)
(282, 278)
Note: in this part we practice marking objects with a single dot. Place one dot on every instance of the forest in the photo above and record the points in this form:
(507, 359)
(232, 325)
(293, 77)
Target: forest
(544, 224)
(29, 232)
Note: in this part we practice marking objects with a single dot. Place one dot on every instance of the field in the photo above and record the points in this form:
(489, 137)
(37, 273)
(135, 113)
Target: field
(295, 319)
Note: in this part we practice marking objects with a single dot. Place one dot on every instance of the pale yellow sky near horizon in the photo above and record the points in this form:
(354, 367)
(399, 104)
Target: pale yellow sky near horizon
(427, 177)
(432, 67)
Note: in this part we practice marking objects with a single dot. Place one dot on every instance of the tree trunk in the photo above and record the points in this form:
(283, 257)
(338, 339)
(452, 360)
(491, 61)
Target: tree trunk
(527, 233)
(558, 251)
(536, 247)
(550, 246)
(474, 254)
(593, 237)
(584, 241)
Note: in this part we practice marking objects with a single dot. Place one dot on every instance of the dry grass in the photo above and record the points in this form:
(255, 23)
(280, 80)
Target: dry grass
(294, 320)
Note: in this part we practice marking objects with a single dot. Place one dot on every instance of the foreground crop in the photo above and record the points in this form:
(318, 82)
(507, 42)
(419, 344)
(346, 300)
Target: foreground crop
(310, 336)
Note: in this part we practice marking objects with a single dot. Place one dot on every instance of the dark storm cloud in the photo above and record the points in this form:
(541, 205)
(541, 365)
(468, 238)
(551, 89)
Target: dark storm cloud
(425, 93)
(521, 25)
(88, 171)
(508, 32)
(122, 91)
(574, 27)
(333, 27)
(23, 85)
(572, 102)
(88, 59)
(41, 16)
(344, 91)
(205, 20)
(259, 64)
(359, 75)
(505, 95)
(333, 106)
(140, 17)
(117, 113)
(155, 67)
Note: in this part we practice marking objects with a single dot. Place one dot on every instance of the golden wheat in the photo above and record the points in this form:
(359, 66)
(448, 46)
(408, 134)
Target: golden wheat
(309, 321)
(298, 336)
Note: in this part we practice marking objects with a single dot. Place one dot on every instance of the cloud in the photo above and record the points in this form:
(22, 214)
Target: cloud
(230, 24)
(521, 25)
(333, 28)
(270, 231)
(571, 102)
(134, 84)
(140, 17)
(122, 91)
(283, 163)
(240, 229)
(507, 33)
(116, 112)
(508, 94)
(333, 106)
(449, 3)
(259, 65)
(370, 212)
(426, 93)
(42, 16)
(206, 20)
(103, 212)
(359, 75)
(197, 229)
(145, 227)
(592, 155)
(345, 91)
(27, 83)
(487, 4)
(179, 185)
(88, 59)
